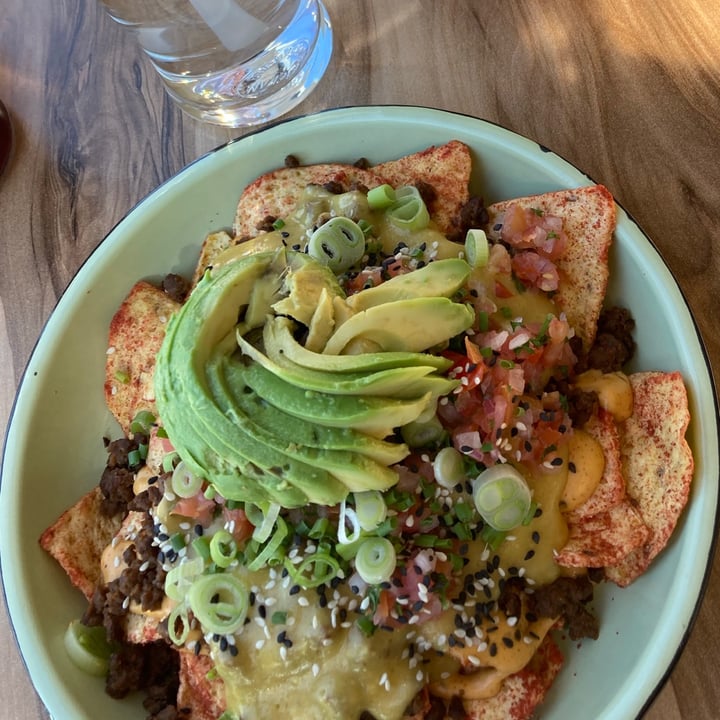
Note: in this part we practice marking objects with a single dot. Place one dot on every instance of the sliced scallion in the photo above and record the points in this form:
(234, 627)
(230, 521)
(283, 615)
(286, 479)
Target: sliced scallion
(314, 570)
(178, 624)
(339, 243)
(370, 509)
(88, 647)
(449, 467)
(223, 548)
(220, 602)
(375, 560)
(184, 482)
(502, 497)
(142, 422)
(348, 515)
(381, 197)
(477, 250)
(180, 578)
(168, 462)
(271, 547)
(264, 520)
(409, 211)
(423, 434)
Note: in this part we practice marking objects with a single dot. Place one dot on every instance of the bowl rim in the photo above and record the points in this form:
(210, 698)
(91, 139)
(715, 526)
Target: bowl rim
(79, 277)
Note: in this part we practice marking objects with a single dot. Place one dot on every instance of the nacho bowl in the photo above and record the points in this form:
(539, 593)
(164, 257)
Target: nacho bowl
(642, 628)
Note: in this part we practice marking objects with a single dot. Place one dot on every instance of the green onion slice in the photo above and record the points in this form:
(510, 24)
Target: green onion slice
(409, 211)
(449, 467)
(339, 243)
(220, 602)
(316, 569)
(348, 515)
(271, 546)
(423, 433)
(142, 422)
(184, 482)
(375, 560)
(370, 509)
(180, 579)
(381, 197)
(263, 519)
(168, 462)
(178, 624)
(502, 497)
(223, 548)
(477, 250)
(88, 647)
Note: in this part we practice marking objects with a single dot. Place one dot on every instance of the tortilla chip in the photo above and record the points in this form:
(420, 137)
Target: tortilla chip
(276, 193)
(77, 539)
(657, 464)
(212, 246)
(524, 691)
(203, 697)
(589, 217)
(446, 168)
(604, 539)
(136, 334)
(611, 489)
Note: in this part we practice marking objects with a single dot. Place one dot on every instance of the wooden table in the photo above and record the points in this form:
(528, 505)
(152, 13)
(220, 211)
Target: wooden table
(628, 90)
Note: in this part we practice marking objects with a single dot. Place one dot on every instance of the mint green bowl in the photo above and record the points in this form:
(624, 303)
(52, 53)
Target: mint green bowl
(643, 628)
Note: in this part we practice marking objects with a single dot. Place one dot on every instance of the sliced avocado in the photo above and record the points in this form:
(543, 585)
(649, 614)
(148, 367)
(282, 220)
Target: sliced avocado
(441, 278)
(303, 284)
(303, 432)
(196, 425)
(375, 416)
(322, 322)
(410, 325)
(278, 339)
(356, 471)
(397, 382)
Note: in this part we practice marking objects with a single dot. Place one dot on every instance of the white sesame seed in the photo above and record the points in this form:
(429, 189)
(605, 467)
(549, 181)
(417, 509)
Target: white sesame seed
(420, 676)
(315, 669)
(302, 601)
(259, 644)
(383, 679)
(283, 652)
(512, 621)
(326, 642)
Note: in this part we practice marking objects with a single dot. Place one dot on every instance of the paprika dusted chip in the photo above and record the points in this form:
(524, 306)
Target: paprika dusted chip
(277, 193)
(523, 692)
(77, 540)
(444, 171)
(603, 539)
(657, 464)
(588, 216)
(136, 333)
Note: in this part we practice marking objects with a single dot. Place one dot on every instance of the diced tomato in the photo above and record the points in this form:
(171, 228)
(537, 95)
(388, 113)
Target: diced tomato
(197, 507)
(242, 527)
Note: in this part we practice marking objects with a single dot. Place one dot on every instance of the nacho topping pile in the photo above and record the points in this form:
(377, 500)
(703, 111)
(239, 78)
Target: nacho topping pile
(378, 452)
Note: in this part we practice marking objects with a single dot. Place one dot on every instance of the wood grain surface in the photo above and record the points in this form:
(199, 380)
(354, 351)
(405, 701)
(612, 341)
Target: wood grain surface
(627, 90)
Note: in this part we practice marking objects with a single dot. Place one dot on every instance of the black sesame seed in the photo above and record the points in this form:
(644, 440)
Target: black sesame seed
(571, 467)
(493, 649)
(262, 611)
(535, 537)
(529, 555)
(556, 462)
(294, 590)
(199, 530)
(223, 644)
(507, 642)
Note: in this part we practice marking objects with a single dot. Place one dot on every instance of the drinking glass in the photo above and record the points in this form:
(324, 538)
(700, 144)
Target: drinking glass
(232, 62)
